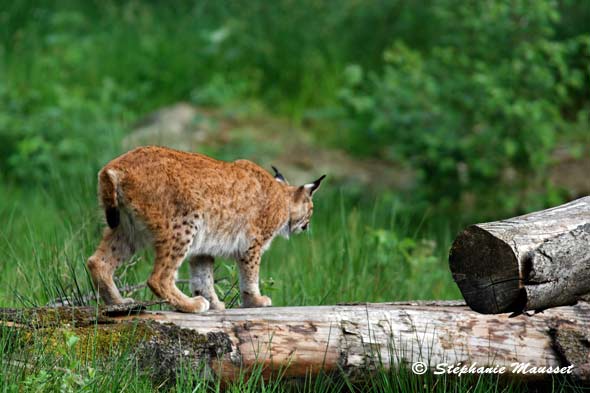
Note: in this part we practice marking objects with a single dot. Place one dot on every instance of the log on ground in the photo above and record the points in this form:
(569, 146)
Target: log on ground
(355, 339)
(532, 262)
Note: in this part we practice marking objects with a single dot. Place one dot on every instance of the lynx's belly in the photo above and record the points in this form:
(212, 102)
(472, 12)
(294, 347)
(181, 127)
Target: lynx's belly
(204, 240)
(208, 240)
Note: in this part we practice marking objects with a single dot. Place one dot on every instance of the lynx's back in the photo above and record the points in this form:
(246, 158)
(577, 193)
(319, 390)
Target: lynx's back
(223, 202)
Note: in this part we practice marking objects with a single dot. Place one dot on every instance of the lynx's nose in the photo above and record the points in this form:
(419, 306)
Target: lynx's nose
(304, 227)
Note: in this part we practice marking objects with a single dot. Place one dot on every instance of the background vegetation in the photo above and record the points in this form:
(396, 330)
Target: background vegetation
(474, 97)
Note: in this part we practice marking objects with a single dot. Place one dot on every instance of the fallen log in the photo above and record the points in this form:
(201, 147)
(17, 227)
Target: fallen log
(355, 339)
(532, 262)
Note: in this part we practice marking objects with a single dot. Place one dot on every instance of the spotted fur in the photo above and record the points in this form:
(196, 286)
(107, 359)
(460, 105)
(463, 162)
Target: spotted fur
(190, 206)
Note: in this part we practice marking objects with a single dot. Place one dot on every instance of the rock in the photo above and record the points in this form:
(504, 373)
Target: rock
(167, 126)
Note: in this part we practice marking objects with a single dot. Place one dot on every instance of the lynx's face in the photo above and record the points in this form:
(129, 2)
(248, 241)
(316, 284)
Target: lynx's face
(301, 204)
(301, 211)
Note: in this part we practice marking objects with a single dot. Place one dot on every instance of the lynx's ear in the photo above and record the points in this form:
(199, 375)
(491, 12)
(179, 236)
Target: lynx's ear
(311, 188)
(279, 176)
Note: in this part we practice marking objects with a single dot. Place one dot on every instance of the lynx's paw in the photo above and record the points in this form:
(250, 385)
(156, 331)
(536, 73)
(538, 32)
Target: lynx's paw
(124, 300)
(250, 301)
(193, 304)
(219, 306)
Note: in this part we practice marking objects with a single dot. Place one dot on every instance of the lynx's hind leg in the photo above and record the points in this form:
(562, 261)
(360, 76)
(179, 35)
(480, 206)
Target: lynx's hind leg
(114, 249)
(201, 281)
(170, 253)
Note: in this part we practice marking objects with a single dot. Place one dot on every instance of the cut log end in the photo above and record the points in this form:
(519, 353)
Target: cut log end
(532, 262)
(486, 271)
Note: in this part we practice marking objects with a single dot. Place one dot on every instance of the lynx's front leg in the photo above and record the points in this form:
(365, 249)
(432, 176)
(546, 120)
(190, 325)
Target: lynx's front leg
(249, 265)
(201, 282)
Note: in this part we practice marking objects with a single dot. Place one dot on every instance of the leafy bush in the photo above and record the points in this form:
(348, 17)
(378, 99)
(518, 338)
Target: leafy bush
(64, 140)
(58, 120)
(484, 102)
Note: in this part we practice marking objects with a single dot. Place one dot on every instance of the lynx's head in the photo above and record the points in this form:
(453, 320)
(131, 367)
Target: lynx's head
(300, 204)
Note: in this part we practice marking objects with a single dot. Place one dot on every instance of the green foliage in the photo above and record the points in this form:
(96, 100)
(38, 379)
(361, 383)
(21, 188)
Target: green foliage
(63, 379)
(482, 105)
(413, 258)
(65, 139)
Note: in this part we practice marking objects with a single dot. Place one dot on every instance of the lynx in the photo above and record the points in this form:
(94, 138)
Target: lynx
(188, 205)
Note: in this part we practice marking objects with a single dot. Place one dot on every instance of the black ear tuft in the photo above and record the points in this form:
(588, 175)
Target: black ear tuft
(278, 175)
(318, 181)
(312, 187)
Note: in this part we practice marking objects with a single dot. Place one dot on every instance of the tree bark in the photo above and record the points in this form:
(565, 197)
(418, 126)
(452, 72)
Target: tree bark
(355, 339)
(531, 262)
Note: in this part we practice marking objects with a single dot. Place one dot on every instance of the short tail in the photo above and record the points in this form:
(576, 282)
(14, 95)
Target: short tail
(107, 194)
